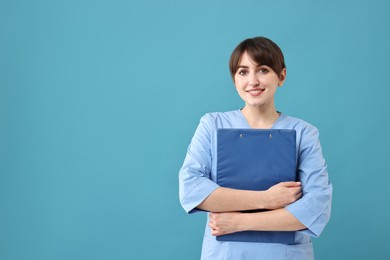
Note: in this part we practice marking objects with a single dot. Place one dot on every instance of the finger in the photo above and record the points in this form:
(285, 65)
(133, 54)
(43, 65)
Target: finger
(297, 189)
(213, 222)
(293, 184)
(212, 225)
(290, 184)
(216, 233)
(214, 230)
(212, 216)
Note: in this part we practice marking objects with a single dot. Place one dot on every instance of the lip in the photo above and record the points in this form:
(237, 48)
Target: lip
(255, 92)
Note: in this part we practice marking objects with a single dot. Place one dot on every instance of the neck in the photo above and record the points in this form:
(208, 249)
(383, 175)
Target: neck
(260, 118)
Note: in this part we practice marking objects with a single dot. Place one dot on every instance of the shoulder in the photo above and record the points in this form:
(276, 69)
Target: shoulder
(307, 134)
(221, 119)
(229, 115)
(211, 122)
(299, 125)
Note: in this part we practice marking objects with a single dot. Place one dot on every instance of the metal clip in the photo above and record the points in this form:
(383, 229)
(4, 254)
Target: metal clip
(270, 136)
(241, 135)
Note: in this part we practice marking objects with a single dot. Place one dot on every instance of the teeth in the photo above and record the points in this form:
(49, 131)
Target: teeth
(255, 91)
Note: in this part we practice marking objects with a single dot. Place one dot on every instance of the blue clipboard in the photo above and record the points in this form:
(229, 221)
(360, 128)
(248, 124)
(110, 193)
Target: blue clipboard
(256, 159)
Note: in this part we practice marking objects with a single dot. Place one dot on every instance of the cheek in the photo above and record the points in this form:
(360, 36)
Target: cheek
(269, 82)
(239, 83)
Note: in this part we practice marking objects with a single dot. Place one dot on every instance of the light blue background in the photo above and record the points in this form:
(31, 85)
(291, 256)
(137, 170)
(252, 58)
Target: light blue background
(99, 100)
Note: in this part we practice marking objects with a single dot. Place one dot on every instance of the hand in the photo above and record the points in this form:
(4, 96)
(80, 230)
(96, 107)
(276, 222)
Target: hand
(225, 223)
(283, 194)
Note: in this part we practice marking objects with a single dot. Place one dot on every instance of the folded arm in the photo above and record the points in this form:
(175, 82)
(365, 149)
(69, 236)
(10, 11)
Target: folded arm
(225, 199)
(198, 192)
(309, 214)
(273, 220)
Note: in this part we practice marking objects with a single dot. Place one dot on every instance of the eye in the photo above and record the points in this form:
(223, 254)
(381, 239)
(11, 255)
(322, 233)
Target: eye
(263, 70)
(243, 72)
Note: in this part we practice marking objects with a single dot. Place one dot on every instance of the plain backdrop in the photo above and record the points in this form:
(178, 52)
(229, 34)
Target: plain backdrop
(99, 101)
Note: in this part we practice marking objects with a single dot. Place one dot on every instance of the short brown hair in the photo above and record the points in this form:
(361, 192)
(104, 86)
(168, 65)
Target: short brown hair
(261, 50)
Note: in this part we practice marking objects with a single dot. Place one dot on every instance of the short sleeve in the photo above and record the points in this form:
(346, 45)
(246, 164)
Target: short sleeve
(195, 183)
(313, 209)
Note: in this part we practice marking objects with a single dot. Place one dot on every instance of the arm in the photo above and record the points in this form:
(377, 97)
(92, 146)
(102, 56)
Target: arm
(309, 214)
(225, 199)
(313, 209)
(274, 220)
(199, 192)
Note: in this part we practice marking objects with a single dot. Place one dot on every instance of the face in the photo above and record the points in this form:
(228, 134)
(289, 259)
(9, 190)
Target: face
(256, 84)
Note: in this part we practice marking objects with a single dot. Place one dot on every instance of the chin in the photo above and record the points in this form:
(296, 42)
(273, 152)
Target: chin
(255, 105)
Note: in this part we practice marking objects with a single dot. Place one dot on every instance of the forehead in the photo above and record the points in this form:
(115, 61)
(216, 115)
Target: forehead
(247, 60)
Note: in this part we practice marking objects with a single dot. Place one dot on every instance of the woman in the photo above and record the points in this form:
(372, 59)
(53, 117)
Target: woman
(257, 68)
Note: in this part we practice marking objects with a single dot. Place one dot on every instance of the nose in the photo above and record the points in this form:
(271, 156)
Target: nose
(253, 80)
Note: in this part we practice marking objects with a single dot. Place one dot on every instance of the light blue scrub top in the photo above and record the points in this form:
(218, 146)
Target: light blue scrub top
(197, 180)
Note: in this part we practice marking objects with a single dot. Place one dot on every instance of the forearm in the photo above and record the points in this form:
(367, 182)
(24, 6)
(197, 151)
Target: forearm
(274, 220)
(278, 196)
(225, 199)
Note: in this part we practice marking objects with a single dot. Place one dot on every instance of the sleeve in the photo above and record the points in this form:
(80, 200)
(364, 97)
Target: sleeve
(195, 183)
(313, 209)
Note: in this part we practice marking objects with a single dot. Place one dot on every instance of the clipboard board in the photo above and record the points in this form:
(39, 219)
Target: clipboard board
(256, 159)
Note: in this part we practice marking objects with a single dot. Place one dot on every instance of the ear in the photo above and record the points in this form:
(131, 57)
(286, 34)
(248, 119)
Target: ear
(282, 77)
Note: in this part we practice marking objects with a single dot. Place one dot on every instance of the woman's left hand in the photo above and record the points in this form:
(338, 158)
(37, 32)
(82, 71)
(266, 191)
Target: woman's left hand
(225, 223)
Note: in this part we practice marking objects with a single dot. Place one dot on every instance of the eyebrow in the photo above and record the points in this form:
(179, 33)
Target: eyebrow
(247, 67)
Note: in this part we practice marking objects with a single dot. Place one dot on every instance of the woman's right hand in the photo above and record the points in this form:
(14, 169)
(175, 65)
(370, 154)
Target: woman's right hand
(282, 194)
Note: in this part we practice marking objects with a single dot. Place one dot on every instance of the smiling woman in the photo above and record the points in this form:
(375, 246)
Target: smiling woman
(256, 84)
(257, 68)
(303, 207)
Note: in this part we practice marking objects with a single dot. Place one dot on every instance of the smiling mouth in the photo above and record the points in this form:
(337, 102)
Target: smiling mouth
(255, 92)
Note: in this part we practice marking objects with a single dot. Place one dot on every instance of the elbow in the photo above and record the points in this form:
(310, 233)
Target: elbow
(318, 226)
(317, 229)
(313, 211)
